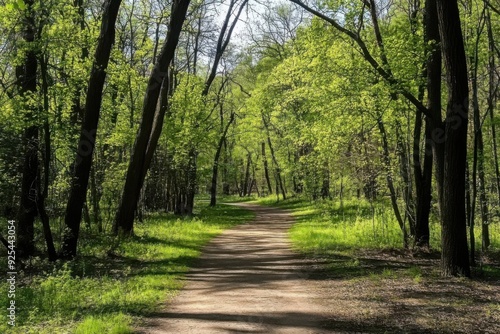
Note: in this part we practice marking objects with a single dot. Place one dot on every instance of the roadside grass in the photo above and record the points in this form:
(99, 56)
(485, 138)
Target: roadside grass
(235, 199)
(363, 239)
(114, 282)
(376, 286)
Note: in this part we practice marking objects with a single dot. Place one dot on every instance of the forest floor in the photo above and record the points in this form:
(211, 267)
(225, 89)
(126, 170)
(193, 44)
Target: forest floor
(249, 280)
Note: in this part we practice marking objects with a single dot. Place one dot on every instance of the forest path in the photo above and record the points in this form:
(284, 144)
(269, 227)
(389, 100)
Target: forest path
(248, 280)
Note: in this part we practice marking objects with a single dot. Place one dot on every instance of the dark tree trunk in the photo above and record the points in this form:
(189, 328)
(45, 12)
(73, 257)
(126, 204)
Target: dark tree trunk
(245, 185)
(226, 189)
(266, 168)
(76, 109)
(124, 220)
(491, 97)
(215, 168)
(95, 198)
(83, 162)
(434, 132)
(405, 173)
(44, 217)
(455, 254)
(26, 78)
(479, 156)
(192, 182)
(424, 189)
(279, 179)
(325, 186)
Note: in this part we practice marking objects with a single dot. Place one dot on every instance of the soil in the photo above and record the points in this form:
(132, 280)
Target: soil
(249, 280)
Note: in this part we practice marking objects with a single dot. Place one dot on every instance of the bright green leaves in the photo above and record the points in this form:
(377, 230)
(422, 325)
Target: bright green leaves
(15, 5)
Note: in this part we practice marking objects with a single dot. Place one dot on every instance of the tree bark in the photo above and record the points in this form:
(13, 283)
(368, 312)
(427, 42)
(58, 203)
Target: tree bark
(245, 184)
(124, 220)
(491, 97)
(479, 154)
(455, 255)
(433, 132)
(266, 168)
(278, 170)
(390, 184)
(26, 78)
(86, 143)
(215, 168)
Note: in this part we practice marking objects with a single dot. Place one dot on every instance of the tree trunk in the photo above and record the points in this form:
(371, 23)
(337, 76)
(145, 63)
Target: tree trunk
(491, 97)
(278, 170)
(406, 177)
(26, 78)
(191, 182)
(83, 162)
(390, 184)
(51, 251)
(424, 189)
(433, 132)
(215, 168)
(225, 182)
(479, 154)
(245, 184)
(124, 220)
(325, 186)
(455, 255)
(266, 168)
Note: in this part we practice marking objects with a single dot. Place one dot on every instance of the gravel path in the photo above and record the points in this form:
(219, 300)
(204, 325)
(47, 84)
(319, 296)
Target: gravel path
(248, 280)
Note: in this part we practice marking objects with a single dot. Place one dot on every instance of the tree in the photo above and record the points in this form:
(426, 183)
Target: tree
(455, 256)
(144, 141)
(26, 75)
(83, 161)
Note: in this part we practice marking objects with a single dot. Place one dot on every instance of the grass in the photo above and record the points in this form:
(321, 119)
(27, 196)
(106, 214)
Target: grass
(378, 287)
(113, 283)
(328, 227)
(361, 239)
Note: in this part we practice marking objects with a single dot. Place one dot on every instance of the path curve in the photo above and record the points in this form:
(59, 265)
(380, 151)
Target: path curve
(248, 280)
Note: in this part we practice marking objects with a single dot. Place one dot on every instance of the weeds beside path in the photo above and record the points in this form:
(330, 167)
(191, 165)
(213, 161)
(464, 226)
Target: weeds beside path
(111, 285)
(372, 282)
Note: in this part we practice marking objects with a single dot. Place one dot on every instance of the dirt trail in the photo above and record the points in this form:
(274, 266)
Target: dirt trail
(248, 280)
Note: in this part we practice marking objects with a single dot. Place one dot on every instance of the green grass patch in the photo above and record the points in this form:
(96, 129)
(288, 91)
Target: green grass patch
(330, 227)
(340, 231)
(113, 282)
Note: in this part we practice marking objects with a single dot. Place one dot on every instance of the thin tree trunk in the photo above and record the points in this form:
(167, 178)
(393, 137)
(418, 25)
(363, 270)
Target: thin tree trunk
(390, 184)
(278, 170)
(325, 186)
(95, 197)
(406, 177)
(266, 168)
(225, 182)
(51, 251)
(491, 97)
(215, 168)
(479, 152)
(245, 184)
(86, 143)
